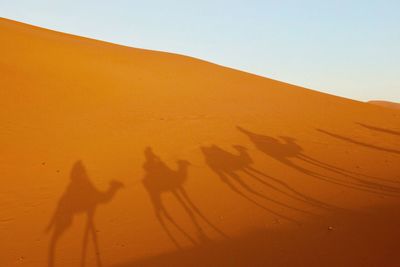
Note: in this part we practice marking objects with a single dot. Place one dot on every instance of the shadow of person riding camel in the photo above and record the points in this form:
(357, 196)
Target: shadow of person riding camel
(160, 179)
(81, 196)
(228, 165)
(287, 151)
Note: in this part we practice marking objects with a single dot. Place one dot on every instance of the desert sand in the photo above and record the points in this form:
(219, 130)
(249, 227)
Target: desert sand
(122, 157)
(386, 104)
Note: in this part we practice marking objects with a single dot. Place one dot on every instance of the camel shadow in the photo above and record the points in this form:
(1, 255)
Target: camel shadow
(160, 179)
(227, 165)
(287, 151)
(80, 196)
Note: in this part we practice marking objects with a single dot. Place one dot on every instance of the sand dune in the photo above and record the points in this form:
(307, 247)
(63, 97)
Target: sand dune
(116, 156)
(386, 104)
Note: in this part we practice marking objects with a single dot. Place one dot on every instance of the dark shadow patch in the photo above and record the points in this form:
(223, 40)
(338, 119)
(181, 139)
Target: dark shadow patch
(345, 239)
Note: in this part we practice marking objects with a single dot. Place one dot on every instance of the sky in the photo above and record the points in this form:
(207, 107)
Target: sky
(346, 48)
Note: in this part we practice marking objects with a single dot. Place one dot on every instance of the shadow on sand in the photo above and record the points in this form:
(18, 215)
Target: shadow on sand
(311, 245)
(351, 140)
(288, 152)
(81, 196)
(160, 179)
(378, 129)
(228, 165)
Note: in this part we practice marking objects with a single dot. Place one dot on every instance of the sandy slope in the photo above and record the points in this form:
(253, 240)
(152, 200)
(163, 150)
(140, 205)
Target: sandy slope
(386, 104)
(210, 166)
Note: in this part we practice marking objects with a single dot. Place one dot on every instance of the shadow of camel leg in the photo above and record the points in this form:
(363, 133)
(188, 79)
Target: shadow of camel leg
(52, 247)
(236, 190)
(363, 182)
(180, 229)
(336, 181)
(295, 194)
(251, 190)
(159, 210)
(327, 165)
(191, 215)
(85, 242)
(198, 212)
(164, 226)
(96, 243)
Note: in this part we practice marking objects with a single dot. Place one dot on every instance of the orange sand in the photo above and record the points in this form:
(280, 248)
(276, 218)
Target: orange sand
(386, 104)
(116, 156)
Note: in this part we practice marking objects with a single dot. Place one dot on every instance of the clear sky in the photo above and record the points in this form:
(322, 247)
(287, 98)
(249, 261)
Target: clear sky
(348, 48)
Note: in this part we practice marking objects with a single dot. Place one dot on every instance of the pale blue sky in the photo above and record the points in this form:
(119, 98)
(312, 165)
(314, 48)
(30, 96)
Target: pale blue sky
(347, 48)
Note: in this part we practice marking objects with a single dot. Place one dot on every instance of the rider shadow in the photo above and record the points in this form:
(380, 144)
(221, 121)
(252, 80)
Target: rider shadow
(227, 165)
(81, 196)
(160, 179)
(286, 150)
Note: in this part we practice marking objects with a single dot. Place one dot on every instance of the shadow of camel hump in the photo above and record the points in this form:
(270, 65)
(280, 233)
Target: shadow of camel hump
(81, 196)
(274, 147)
(288, 152)
(160, 179)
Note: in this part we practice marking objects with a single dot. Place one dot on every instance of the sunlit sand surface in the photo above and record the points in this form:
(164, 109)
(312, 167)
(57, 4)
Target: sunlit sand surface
(116, 156)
